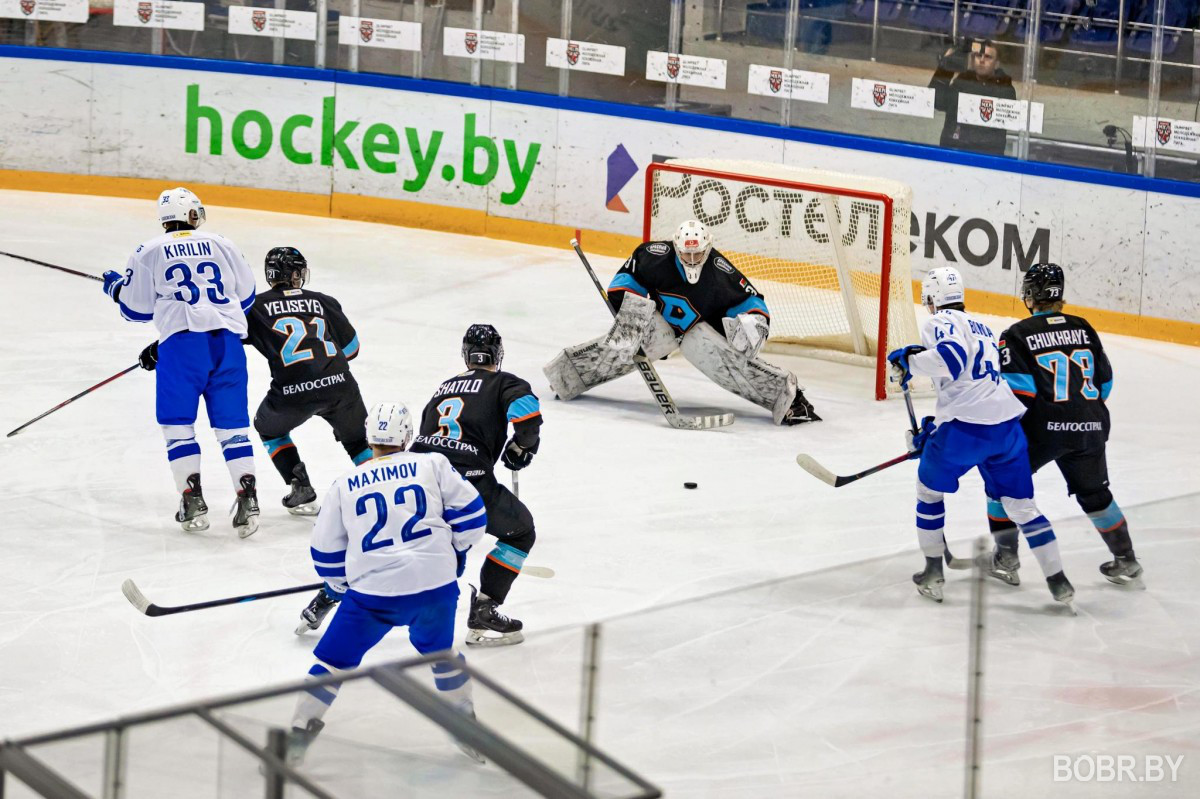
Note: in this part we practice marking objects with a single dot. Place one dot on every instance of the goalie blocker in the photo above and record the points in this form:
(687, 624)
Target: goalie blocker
(683, 294)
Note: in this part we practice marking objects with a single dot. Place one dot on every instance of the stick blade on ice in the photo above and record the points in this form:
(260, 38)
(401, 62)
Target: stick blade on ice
(136, 597)
(810, 465)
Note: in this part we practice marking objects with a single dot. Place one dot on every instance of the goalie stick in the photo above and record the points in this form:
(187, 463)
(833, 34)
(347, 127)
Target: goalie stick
(650, 374)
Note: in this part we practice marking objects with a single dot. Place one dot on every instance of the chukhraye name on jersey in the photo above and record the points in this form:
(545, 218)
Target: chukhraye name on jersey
(1058, 338)
(183, 249)
(381, 474)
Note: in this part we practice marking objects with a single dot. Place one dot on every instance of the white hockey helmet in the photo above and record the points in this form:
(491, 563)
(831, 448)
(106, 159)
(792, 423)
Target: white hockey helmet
(390, 424)
(693, 243)
(941, 287)
(180, 205)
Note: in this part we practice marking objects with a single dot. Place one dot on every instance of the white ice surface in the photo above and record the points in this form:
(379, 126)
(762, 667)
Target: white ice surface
(839, 683)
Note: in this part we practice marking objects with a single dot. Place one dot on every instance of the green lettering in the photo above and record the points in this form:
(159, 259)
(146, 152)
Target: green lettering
(287, 141)
(471, 143)
(196, 112)
(423, 162)
(332, 139)
(380, 139)
(521, 174)
(237, 134)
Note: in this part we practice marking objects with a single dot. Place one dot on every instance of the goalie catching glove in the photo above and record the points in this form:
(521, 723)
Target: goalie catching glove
(746, 333)
(916, 441)
(899, 361)
(516, 457)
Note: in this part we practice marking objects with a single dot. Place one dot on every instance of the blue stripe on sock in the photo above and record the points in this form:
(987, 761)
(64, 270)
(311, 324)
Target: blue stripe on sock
(273, 444)
(444, 667)
(508, 555)
(930, 524)
(322, 694)
(182, 451)
(233, 453)
(318, 670)
(450, 683)
(931, 507)
(1108, 518)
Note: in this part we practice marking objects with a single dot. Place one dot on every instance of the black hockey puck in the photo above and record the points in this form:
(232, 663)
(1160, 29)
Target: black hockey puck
(691, 485)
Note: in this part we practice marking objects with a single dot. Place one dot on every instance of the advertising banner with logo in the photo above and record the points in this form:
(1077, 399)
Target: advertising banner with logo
(894, 98)
(607, 59)
(173, 14)
(273, 22)
(571, 168)
(484, 45)
(997, 112)
(47, 10)
(692, 70)
(794, 84)
(1167, 134)
(389, 34)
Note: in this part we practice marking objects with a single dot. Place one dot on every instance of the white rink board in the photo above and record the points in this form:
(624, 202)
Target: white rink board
(842, 684)
(1123, 249)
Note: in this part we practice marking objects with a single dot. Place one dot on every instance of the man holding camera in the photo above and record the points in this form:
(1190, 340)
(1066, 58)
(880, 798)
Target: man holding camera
(972, 67)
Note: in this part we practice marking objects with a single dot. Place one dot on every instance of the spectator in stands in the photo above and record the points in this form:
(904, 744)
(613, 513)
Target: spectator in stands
(972, 67)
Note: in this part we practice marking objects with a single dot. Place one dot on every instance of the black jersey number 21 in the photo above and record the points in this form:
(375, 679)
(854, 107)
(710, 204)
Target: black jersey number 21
(294, 328)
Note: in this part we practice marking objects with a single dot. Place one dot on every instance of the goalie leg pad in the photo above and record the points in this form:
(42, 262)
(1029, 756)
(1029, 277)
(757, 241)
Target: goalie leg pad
(753, 379)
(583, 367)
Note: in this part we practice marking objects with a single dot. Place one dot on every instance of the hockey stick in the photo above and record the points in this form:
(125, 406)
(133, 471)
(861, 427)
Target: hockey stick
(139, 601)
(51, 266)
(650, 374)
(810, 465)
(545, 572)
(72, 399)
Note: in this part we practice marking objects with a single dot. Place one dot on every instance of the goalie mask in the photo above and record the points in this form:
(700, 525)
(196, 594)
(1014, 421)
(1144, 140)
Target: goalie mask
(941, 287)
(1043, 285)
(390, 424)
(693, 243)
(286, 265)
(180, 205)
(482, 346)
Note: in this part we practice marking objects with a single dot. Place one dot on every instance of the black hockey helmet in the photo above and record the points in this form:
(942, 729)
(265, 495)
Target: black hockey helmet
(482, 346)
(284, 264)
(1043, 285)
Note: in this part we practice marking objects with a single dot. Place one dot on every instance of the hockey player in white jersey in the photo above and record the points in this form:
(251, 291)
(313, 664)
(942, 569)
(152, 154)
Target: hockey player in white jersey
(391, 539)
(195, 287)
(976, 425)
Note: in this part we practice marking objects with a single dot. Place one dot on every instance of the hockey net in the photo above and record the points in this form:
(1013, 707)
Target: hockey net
(828, 250)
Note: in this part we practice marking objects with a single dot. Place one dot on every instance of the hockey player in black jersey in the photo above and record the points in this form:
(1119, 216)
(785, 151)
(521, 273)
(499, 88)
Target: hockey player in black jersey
(1055, 364)
(684, 294)
(467, 421)
(308, 342)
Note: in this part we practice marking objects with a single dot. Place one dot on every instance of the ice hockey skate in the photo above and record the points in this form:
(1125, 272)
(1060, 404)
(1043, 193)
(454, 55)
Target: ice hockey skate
(487, 626)
(302, 500)
(801, 411)
(469, 708)
(929, 582)
(1124, 570)
(245, 508)
(1062, 590)
(193, 510)
(300, 739)
(314, 615)
(1002, 564)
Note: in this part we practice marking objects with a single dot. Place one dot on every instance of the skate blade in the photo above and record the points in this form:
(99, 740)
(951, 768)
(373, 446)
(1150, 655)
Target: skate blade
(1132, 583)
(197, 524)
(248, 529)
(489, 638)
(304, 628)
(310, 509)
(932, 591)
(471, 753)
(1070, 604)
(1008, 578)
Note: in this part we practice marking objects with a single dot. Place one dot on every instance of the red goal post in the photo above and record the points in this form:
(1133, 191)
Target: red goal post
(829, 251)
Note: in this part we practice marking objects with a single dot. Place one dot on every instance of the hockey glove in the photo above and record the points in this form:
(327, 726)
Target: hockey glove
(899, 361)
(461, 556)
(112, 284)
(516, 457)
(149, 357)
(916, 443)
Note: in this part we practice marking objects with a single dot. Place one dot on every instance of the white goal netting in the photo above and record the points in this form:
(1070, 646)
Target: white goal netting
(828, 250)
